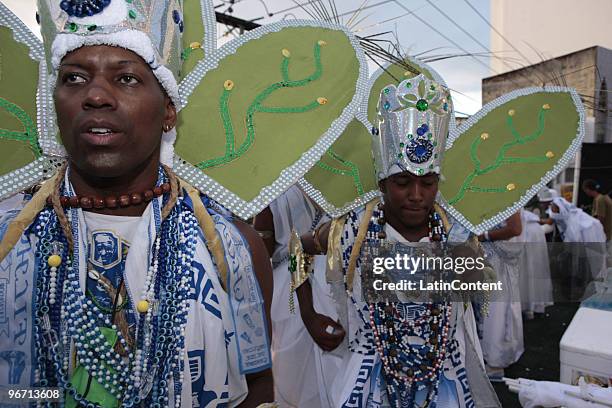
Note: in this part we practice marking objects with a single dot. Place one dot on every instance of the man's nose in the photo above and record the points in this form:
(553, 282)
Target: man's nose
(415, 192)
(99, 96)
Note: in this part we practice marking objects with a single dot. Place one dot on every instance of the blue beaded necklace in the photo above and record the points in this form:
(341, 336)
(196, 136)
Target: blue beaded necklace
(64, 316)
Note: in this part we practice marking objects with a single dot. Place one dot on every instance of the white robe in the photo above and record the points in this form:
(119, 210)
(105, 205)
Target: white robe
(502, 328)
(534, 267)
(302, 371)
(577, 226)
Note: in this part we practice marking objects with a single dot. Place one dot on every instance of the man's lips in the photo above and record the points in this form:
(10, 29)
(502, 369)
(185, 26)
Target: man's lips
(102, 139)
(100, 132)
(413, 209)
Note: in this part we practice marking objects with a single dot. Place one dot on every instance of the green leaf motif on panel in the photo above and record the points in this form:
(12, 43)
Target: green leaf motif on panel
(18, 86)
(231, 153)
(346, 171)
(499, 158)
(265, 104)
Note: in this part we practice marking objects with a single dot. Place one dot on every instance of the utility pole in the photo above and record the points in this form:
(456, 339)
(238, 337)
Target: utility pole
(235, 22)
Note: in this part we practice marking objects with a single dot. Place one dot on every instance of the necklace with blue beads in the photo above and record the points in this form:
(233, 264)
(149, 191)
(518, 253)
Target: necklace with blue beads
(66, 319)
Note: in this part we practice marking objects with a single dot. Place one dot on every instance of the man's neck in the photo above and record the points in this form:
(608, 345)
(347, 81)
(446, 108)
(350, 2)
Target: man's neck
(139, 180)
(410, 233)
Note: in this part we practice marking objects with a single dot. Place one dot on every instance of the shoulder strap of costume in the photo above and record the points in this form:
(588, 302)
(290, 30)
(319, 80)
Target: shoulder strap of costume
(213, 241)
(363, 229)
(26, 216)
(334, 249)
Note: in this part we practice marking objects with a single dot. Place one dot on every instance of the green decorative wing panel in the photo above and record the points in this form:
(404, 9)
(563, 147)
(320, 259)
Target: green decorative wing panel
(199, 37)
(344, 177)
(502, 156)
(264, 108)
(22, 163)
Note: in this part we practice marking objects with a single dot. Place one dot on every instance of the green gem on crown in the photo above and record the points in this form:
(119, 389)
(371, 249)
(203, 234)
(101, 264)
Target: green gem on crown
(422, 105)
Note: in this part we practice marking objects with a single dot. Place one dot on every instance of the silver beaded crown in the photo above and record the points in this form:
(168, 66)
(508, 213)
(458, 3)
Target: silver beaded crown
(413, 120)
(150, 28)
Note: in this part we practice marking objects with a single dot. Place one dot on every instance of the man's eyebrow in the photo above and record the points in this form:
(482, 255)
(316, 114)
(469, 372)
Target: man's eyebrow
(125, 62)
(71, 64)
(76, 64)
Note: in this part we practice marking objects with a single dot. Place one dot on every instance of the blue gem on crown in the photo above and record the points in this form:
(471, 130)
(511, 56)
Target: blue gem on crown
(419, 150)
(83, 8)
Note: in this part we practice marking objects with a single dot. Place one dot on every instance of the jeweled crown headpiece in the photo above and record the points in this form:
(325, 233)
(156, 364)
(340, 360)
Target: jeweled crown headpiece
(150, 28)
(413, 119)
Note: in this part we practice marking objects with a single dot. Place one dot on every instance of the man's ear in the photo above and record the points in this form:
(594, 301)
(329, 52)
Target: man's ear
(382, 186)
(171, 115)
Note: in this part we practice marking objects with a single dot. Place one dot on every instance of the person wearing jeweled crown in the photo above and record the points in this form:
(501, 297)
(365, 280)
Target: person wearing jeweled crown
(399, 354)
(119, 294)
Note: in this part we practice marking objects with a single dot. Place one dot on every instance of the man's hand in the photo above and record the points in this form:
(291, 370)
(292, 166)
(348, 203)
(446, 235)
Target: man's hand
(324, 331)
(327, 333)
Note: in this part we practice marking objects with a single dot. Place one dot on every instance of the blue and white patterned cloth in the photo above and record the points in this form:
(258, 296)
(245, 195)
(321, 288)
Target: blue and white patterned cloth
(226, 334)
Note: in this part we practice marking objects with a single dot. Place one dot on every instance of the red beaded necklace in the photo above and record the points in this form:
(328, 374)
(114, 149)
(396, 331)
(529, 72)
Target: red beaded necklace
(112, 201)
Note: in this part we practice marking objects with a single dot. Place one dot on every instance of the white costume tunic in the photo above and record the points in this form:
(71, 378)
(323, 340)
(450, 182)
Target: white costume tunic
(534, 267)
(215, 360)
(463, 382)
(302, 371)
(502, 329)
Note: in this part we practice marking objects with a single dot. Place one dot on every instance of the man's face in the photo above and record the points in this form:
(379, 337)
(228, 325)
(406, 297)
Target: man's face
(410, 198)
(554, 208)
(111, 110)
(105, 247)
(590, 193)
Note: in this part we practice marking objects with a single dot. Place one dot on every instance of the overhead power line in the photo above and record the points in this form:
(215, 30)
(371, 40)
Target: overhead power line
(497, 32)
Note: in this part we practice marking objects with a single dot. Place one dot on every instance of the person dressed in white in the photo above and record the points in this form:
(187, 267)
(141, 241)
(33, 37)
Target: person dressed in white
(534, 268)
(302, 370)
(576, 226)
(502, 329)
(396, 353)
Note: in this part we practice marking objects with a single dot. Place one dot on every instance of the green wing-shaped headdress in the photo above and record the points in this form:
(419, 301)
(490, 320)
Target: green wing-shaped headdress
(500, 157)
(264, 108)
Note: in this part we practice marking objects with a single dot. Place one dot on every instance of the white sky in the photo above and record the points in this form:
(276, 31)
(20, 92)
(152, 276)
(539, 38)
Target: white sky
(462, 74)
